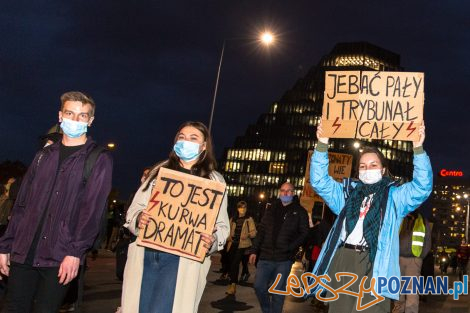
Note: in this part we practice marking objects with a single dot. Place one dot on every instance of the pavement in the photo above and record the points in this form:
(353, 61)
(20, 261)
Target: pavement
(103, 290)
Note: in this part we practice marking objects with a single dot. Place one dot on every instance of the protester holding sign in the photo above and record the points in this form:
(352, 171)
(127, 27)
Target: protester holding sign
(157, 281)
(365, 237)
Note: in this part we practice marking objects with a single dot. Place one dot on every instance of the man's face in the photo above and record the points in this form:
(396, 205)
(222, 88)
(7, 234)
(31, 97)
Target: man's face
(286, 190)
(76, 111)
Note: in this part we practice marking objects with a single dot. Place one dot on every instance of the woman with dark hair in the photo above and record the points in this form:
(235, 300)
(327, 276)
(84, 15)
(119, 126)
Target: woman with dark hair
(156, 281)
(242, 230)
(365, 236)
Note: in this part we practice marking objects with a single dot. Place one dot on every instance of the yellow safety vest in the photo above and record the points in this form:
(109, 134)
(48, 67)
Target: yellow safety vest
(417, 240)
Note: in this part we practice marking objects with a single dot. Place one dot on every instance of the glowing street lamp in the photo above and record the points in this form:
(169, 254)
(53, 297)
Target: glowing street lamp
(111, 146)
(266, 38)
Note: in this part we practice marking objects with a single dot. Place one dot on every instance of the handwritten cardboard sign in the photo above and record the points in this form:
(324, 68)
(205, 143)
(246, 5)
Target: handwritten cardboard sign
(182, 206)
(373, 105)
(340, 166)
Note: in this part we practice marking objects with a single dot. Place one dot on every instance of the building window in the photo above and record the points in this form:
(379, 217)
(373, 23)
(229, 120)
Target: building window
(277, 168)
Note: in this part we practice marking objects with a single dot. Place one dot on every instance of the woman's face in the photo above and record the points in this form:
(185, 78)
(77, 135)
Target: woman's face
(370, 161)
(192, 134)
(241, 211)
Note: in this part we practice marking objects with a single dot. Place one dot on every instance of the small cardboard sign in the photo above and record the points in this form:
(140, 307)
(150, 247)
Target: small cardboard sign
(340, 166)
(182, 207)
(373, 105)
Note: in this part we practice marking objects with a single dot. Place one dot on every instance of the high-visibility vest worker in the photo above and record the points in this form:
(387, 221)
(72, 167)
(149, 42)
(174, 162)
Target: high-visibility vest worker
(417, 239)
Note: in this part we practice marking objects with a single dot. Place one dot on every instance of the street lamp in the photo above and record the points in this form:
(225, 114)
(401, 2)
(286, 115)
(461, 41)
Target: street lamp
(465, 196)
(111, 146)
(266, 38)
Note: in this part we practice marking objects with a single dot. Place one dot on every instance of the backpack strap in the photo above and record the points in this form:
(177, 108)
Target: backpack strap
(90, 162)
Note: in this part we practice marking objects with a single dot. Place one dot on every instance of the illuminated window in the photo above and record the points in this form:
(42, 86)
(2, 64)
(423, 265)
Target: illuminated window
(277, 168)
(232, 167)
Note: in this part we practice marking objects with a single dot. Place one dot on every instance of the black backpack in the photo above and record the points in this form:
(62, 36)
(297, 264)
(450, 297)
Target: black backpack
(90, 162)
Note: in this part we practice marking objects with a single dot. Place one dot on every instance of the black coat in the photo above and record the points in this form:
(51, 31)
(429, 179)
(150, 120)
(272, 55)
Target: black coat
(280, 242)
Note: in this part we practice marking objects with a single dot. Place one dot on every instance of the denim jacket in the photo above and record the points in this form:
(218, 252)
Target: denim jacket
(401, 201)
(73, 208)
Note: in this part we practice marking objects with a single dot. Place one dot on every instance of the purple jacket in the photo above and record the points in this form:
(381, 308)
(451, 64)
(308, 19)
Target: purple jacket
(75, 209)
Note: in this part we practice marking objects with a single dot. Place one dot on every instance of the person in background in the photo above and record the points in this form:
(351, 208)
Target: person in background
(365, 236)
(427, 270)
(282, 231)
(245, 271)
(463, 254)
(315, 239)
(5, 206)
(242, 230)
(453, 262)
(415, 243)
(56, 216)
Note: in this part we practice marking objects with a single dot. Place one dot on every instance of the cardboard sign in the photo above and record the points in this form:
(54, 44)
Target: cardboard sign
(340, 166)
(373, 105)
(182, 206)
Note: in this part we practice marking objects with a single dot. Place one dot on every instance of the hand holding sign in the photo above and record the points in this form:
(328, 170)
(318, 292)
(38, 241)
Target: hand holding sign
(208, 240)
(320, 134)
(422, 135)
(181, 214)
(144, 218)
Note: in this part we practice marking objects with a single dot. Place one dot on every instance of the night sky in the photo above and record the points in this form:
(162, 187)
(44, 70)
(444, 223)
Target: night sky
(151, 65)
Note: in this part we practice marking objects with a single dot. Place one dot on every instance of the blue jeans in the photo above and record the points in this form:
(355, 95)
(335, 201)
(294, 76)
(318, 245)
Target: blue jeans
(266, 273)
(158, 282)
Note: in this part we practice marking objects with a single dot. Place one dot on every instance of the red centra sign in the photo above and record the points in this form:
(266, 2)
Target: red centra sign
(445, 173)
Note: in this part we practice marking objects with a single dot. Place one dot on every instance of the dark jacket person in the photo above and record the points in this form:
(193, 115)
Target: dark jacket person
(56, 216)
(282, 230)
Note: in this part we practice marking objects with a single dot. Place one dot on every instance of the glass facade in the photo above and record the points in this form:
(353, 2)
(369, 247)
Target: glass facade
(274, 150)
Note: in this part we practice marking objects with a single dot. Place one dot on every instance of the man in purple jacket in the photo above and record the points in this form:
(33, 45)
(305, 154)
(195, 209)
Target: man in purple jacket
(57, 214)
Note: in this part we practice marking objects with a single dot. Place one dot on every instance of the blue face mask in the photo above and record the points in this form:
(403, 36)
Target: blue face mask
(286, 199)
(186, 150)
(73, 129)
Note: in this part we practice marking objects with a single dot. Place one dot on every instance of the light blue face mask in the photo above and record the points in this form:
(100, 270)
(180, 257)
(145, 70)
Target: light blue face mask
(286, 199)
(73, 129)
(186, 150)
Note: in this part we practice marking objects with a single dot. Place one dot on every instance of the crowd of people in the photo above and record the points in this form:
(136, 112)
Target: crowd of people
(50, 223)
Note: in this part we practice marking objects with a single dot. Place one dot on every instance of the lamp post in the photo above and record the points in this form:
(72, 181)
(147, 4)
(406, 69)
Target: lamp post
(266, 38)
(465, 196)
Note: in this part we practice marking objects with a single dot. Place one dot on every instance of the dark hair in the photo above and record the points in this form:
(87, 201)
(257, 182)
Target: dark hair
(78, 96)
(383, 160)
(241, 204)
(205, 164)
